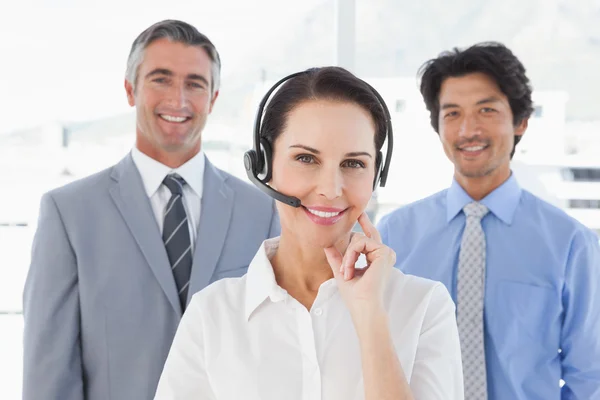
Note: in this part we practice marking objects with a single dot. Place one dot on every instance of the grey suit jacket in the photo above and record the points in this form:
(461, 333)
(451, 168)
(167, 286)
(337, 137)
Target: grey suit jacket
(100, 302)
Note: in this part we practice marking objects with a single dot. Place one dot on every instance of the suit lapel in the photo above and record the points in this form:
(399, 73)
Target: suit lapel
(130, 198)
(215, 214)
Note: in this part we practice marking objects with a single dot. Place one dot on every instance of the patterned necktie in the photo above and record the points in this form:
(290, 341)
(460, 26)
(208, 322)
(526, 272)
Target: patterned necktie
(470, 293)
(176, 236)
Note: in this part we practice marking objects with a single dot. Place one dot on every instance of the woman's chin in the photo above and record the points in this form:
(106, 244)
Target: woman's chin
(327, 239)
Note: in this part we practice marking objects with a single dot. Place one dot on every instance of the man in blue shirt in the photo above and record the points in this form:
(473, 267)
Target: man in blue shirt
(524, 275)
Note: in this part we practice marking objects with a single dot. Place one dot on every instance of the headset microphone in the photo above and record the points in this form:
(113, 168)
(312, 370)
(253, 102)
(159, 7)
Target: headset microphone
(290, 200)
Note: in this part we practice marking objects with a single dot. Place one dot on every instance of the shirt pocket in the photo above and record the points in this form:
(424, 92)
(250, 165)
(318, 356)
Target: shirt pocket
(524, 315)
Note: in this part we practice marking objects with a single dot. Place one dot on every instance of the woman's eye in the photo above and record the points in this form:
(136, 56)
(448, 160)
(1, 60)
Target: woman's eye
(305, 158)
(353, 164)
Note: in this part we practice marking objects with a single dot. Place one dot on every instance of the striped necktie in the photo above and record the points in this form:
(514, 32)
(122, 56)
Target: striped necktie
(176, 236)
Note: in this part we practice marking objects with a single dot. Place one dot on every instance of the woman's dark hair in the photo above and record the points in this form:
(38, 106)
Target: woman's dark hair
(491, 58)
(326, 83)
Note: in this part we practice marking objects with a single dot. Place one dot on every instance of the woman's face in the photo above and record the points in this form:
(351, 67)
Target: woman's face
(325, 157)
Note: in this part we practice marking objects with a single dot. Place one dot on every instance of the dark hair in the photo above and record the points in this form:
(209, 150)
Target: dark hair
(176, 31)
(327, 83)
(491, 58)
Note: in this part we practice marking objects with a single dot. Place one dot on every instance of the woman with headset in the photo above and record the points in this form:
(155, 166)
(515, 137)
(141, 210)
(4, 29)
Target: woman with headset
(306, 321)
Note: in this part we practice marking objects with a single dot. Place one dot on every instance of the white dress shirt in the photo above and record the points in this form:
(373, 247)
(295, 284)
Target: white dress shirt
(153, 173)
(247, 338)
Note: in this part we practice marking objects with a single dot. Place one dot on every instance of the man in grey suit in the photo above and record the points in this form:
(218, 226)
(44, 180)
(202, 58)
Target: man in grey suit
(117, 255)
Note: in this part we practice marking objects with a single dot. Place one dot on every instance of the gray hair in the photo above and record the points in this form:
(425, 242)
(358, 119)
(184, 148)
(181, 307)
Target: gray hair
(176, 31)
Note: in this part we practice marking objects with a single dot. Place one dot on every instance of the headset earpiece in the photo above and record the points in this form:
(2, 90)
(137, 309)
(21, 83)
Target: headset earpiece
(250, 162)
(259, 164)
(266, 155)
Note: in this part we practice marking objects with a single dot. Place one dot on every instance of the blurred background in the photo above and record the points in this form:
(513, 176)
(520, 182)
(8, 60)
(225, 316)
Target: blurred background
(64, 113)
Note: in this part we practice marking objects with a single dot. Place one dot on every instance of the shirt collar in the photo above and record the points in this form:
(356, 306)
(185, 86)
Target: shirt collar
(153, 172)
(260, 280)
(502, 201)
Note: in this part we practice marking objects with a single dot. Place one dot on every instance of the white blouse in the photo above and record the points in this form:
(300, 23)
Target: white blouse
(247, 338)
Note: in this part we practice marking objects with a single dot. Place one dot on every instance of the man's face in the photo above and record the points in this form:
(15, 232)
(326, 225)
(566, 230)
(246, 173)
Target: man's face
(476, 127)
(173, 98)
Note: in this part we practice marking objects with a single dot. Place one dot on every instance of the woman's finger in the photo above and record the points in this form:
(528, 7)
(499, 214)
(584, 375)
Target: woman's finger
(363, 245)
(368, 228)
(349, 257)
(334, 258)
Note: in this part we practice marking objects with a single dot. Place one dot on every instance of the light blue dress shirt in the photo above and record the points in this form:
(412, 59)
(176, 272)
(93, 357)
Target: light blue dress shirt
(542, 299)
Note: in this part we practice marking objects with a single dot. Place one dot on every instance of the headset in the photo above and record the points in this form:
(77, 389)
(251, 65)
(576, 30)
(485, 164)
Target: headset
(258, 160)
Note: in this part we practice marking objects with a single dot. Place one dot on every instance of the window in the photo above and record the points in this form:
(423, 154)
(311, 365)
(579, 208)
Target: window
(584, 203)
(582, 174)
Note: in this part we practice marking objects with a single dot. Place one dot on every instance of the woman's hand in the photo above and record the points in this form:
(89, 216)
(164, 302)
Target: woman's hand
(362, 289)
